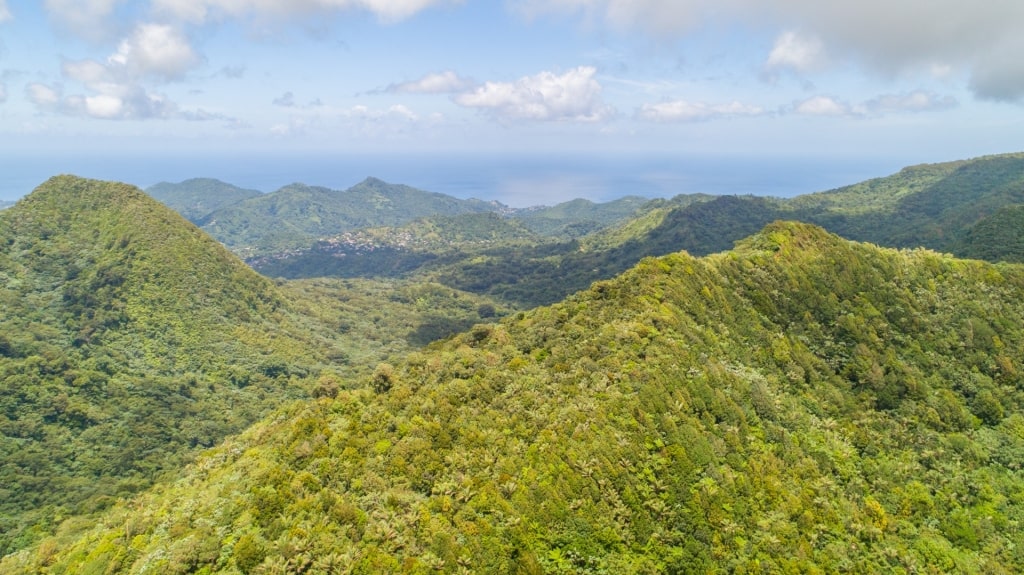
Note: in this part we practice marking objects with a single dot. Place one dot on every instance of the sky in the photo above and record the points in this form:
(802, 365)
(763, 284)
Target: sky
(142, 90)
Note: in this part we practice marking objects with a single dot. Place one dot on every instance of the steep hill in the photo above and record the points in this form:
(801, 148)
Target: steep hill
(936, 206)
(197, 198)
(296, 216)
(801, 403)
(578, 217)
(128, 340)
(998, 237)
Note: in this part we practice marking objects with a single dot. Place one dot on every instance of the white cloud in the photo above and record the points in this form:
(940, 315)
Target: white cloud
(821, 106)
(981, 40)
(155, 50)
(395, 112)
(3, 92)
(5, 14)
(200, 11)
(43, 95)
(573, 96)
(447, 82)
(795, 52)
(684, 111)
(116, 86)
(916, 101)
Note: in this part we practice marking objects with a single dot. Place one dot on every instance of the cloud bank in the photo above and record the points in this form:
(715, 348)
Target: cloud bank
(574, 96)
(890, 37)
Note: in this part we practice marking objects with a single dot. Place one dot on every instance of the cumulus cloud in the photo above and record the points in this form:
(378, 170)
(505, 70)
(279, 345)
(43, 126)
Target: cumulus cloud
(44, 96)
(982, 40)
(573, 96)
(684, 111)
(796, 52)
(395, 112)
(447, 82)
(200, 11)
(821, 106)
(5, 14)
(116, 86)
(155, 50)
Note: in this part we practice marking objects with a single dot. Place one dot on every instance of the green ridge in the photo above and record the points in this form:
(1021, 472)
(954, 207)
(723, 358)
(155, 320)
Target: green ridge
(799, 404)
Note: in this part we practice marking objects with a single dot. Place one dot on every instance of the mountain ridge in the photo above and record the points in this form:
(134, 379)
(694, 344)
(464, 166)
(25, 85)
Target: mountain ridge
(800, 403)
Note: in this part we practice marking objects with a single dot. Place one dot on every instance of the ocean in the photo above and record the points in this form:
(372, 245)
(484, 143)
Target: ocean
(518, 181)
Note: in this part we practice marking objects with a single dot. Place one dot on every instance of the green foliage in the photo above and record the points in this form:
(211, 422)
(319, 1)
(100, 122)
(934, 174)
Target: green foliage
(799, 404)
(130, 340)
(297, 215)
(197, 198)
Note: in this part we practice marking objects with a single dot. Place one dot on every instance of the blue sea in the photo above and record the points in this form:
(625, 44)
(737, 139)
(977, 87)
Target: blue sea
(517, 181)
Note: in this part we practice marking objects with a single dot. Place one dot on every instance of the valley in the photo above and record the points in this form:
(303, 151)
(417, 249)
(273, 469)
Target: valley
(417, 383)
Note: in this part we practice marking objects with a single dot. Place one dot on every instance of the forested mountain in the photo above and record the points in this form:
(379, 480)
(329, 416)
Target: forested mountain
(964, 207)
(129, 339)
(578, 217)
(199, 197)
(799, 404)
(298, 215)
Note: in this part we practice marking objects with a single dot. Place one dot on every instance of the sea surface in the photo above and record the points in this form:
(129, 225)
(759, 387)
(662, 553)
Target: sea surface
(517, 181)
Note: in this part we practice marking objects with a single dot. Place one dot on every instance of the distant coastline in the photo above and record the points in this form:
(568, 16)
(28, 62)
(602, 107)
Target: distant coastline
(519, 181)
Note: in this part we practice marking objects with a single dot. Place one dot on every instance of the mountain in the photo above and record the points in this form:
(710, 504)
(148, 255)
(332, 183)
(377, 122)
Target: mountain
(4, 204)
(298, 215)
(964, 208)
(129, 339)
(394, 251)
(801, 403)
(578, 217)
(998, 237)
(197, 198)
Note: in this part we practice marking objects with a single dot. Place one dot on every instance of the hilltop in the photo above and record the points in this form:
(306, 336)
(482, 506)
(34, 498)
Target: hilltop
(298, 215)
(965, 208)
(800, 403)
(130, 340)
(197, 198)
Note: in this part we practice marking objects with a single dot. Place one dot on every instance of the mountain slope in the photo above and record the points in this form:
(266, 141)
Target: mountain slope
(799, 404)
(198, 197)
(298, 215)
(128, 339)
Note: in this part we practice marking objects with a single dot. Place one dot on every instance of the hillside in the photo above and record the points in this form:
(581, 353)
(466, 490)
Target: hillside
(128, 340)
(197, 198)
(578, 217)
(395, 251)
(955, 207)
(801, 403)
(298, 215)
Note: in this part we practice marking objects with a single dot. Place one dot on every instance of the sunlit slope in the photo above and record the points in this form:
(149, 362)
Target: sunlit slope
(128, 339)
(798, 404)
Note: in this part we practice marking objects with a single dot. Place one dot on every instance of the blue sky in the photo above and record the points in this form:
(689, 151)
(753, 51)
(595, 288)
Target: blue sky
(880, 82)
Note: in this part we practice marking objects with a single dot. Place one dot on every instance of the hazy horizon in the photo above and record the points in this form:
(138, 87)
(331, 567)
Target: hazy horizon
(515, 180)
